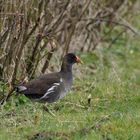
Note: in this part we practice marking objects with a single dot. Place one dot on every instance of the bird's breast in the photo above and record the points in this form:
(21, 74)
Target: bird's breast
(65, 88)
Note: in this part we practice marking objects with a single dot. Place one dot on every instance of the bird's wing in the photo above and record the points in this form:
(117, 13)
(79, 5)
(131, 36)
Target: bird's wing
(40, 85)
(54, 92)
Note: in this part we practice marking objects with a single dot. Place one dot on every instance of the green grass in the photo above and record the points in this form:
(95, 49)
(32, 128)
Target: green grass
(111, 77)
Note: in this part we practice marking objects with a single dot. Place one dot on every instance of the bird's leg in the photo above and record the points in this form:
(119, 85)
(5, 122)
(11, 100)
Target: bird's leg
(36, 115)
(45, 107)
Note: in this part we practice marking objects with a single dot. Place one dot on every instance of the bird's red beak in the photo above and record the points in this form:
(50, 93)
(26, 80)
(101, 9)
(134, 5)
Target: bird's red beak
(78, 60)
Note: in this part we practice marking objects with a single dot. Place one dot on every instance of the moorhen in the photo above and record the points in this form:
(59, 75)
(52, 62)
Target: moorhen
(53, 86)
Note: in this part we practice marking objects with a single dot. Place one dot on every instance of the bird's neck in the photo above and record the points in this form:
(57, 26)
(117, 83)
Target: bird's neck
(66, 67)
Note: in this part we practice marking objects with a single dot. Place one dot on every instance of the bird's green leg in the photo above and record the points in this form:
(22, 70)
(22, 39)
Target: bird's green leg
(45, 107)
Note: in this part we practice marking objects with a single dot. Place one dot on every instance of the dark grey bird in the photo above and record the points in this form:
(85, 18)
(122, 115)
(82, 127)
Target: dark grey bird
(53, 86)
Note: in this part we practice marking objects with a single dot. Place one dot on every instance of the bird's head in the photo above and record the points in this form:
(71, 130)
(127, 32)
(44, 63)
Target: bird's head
(71, 58)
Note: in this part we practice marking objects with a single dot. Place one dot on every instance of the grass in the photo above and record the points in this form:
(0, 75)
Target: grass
(111, 77)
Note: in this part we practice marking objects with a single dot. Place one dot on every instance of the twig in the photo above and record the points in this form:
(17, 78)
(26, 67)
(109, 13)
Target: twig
(57, 22)
(7, 97)
(115, 39)
(115, 22)
(49, 55)
(74, 27)
(11, 14)
(94, 126)
(77, 105)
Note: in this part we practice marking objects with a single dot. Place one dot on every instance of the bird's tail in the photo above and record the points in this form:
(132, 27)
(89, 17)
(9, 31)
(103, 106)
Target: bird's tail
(19, 88)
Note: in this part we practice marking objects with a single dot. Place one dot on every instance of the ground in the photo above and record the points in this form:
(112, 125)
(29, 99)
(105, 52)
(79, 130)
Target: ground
(104, 103)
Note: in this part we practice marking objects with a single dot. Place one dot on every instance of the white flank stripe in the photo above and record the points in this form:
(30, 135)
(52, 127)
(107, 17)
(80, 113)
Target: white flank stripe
(57, 84)
(52, 88)
(48, 92)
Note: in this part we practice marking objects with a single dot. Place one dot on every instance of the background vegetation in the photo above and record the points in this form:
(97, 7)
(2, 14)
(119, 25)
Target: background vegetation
(105, 99)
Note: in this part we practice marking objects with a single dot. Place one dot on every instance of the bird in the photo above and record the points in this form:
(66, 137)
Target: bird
(51, 87)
